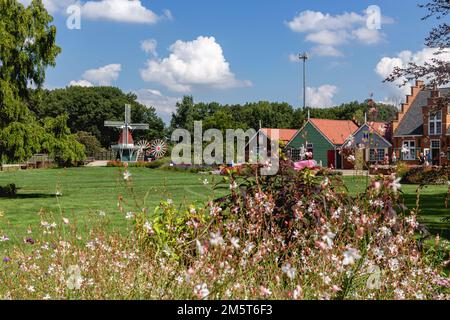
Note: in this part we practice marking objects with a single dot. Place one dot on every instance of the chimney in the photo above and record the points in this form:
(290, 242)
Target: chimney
(435, 92)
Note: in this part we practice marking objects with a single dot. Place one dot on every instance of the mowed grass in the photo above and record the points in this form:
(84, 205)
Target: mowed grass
(87, 191)
(433, 212)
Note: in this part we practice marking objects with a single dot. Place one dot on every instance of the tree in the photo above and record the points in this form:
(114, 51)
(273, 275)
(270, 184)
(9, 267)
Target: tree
(436, 71)
(90, 143)
(58, 141)
(88, 108)
(27, 48)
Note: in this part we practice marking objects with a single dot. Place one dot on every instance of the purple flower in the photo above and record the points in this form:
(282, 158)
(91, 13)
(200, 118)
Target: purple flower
(30, 240)
(6, 259)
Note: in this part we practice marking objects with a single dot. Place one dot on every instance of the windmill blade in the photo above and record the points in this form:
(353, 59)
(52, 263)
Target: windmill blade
(143, 144)
(139, 126)
(124, 136)
(127, 113)
(115, 124)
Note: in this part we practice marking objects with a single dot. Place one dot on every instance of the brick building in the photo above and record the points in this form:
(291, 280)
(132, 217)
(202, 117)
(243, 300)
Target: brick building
(422, 126)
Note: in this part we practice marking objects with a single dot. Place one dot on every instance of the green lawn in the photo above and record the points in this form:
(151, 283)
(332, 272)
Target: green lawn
(432, 203)
(88, 190)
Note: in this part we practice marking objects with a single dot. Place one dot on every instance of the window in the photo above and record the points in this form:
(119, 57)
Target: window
(409, 150)
(376, 155)
(310, 148)
(435, 123)
(366, 136)
(435, 144)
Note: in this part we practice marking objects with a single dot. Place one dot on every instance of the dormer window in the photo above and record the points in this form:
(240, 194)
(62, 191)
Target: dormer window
(435, 123)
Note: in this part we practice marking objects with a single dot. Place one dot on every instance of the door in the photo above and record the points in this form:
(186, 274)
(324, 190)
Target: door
(331, 155)
(338, 160)
(435, 152)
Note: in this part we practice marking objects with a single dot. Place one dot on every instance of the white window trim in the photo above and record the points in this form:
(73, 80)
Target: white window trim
(431, 144)
(410, 156)
(436, 122)
(377, 158)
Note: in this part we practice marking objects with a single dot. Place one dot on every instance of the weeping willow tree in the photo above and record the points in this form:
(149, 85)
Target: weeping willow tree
(27, 48)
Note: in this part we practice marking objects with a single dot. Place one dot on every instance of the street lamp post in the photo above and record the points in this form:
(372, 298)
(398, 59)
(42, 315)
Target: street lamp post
(304, 57)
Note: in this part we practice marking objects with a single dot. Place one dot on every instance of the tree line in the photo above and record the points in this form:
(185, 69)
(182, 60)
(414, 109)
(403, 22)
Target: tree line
(270, 114)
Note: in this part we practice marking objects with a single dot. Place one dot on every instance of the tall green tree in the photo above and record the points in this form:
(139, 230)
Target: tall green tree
(27, 48)
(58, 141)
(88, 108)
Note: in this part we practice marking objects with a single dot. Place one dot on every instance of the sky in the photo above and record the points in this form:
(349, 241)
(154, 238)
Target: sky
(234, 51)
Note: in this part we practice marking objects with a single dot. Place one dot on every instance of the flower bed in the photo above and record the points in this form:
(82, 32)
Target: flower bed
(296, 235)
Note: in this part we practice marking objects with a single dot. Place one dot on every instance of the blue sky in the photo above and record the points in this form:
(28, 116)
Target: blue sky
(236, 51)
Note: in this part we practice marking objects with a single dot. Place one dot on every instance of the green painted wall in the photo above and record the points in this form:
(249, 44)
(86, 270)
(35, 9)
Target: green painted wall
(312, 135)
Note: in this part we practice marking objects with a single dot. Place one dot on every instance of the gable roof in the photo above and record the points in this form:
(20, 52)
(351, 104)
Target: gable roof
(284, 135)
(412, 122)
(380, 129)
(336, 131)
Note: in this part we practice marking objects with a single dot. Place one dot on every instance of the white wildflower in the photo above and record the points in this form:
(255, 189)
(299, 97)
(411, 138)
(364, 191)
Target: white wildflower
(201, 291)
(129, 215)
(126, 175)
(289, 270)
(216, 239)
(235, 242)
(350, 255)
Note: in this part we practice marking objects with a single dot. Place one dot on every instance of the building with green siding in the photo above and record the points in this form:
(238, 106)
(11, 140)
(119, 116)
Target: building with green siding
(322, 137)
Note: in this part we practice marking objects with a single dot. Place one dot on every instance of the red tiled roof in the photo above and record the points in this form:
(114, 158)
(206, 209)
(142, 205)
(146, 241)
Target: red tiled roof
(284, 135)
(337, 131)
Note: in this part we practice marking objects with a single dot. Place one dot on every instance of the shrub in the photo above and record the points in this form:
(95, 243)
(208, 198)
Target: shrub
(140, 164)
(90, 142)
(9, 190)
(426, 175)
(401, 169)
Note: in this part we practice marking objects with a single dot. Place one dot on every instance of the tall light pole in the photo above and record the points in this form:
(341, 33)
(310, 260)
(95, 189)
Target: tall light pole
(304, 57)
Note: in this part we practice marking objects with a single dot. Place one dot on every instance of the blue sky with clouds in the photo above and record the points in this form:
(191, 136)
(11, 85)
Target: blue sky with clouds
(236, 51)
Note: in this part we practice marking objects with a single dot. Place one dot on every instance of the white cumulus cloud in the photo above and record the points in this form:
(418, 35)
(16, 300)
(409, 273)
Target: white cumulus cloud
(53, 6)
(328, 31)
(80, 83)
(192, 63)
(129, 11)
(103, 76)
(321, 97)
(164, 105)
(119, 10)
(327, 51)
(387, 64)
(149, 46)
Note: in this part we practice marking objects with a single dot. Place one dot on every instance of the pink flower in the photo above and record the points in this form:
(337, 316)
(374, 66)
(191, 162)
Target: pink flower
(265, 291)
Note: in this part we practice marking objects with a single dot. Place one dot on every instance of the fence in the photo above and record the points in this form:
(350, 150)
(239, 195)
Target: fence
(108, 155)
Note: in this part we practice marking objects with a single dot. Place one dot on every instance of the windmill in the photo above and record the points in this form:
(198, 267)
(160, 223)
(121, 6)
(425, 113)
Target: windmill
(142, 145)
(128, 151)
